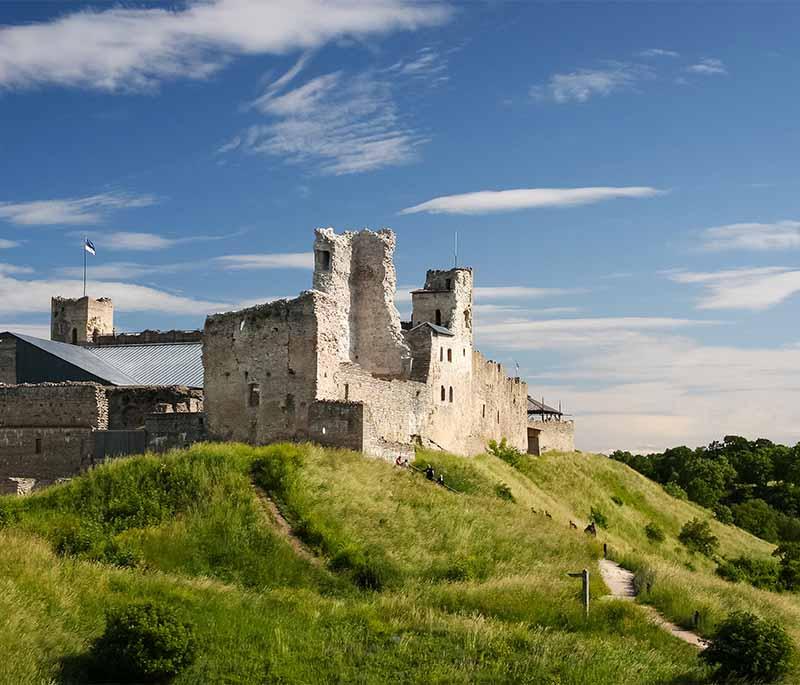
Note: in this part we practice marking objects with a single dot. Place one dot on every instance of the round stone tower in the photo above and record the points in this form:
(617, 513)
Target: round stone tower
(80, 320)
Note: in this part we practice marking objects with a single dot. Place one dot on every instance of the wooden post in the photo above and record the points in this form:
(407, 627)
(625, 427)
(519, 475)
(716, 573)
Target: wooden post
(584, 576)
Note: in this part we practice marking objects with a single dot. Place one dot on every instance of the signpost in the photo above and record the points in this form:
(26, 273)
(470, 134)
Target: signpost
(584, 575)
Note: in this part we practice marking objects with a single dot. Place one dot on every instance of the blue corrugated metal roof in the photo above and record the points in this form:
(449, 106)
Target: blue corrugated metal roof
(82, 358)
(157, 363)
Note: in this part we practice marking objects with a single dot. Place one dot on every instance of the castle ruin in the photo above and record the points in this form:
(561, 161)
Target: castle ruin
(337, 366)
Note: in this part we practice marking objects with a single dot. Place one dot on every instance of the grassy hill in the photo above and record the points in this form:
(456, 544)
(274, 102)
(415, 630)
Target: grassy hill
(406, 581)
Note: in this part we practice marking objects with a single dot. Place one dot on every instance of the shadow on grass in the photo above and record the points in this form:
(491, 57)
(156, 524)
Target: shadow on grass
(89, 669)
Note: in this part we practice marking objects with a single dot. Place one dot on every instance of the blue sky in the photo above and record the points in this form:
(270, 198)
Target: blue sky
(622, 177)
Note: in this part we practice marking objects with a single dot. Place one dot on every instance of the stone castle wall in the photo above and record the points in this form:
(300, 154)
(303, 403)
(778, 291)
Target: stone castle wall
(551, 436)
(261, 370)
(8, 360)
(46, 429)
(80, 320)
(149, 337)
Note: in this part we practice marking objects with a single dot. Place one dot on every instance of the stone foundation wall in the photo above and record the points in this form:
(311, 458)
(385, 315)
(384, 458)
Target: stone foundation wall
(128, 406)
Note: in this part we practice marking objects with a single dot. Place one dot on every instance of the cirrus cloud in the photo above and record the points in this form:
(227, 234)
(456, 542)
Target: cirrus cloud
(491, 201)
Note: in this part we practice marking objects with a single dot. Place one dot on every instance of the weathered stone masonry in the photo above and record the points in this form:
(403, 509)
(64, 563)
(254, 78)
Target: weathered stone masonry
(337, 366)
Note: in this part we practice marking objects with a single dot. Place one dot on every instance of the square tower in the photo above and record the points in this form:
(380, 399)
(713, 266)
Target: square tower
(446, 300)
(80, 320)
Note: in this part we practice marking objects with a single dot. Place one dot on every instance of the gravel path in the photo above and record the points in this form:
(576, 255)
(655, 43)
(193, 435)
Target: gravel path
(620, 582)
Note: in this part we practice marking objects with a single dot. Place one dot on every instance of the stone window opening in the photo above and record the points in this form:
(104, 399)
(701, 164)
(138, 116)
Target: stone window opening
(448, 284)
(443, 394)
(438, 317)
(441, 354)
(346, 392)
(483, 411)
(451, 393)
(449, 354)
(74, 336)
(464, 352)
(38, 446)
(324, 260)
(95, 335)
(254, 395)
(498, 416)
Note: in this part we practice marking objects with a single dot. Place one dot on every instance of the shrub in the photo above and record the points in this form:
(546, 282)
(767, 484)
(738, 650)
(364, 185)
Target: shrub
(617, 500)
(654, 533)
(760, 573)
(748, 647)
(675, 490)
(506, 452)
(789, 573)
(144, 643)
(723, 514)
(598, 517)
(504, 492)
(697, 536)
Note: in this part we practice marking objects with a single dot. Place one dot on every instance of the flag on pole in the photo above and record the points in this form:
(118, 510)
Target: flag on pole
(88, 245)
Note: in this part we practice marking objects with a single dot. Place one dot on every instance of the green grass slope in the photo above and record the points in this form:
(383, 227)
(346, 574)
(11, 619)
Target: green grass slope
(416, 583)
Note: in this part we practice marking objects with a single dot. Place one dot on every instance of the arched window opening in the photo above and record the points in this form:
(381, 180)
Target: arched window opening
(451, 393)
(449, 355)
(438, 317)
(443, 397)
(483, 412)
(74, 336)
(498, 416)
(441, 354)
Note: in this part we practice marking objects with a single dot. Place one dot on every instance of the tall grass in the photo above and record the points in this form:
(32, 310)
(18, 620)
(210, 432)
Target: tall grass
(416, 583)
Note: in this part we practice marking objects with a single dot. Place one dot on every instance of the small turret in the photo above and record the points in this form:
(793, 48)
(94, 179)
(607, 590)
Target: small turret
(446, 300)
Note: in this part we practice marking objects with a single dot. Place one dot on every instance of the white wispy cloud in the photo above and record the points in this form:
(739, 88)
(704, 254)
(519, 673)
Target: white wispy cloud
(780, 235)
(427, 64)
(490, 201)
(33, 296)
(40, 330)
(708, 67)
(8, 244)
(341, 123)
(82, 210)
(658, 52)
(136, 48)
(744, 288)
(287, 260)
(14, 269)
(144, 242)
(118, 270)
(583, 84)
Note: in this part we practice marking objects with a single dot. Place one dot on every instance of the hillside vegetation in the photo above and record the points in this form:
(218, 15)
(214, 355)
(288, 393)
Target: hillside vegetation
(406, 581)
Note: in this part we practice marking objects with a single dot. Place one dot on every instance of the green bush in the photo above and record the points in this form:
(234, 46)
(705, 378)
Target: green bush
(504, 492)
(144, 643)
(675, 490)
(761, 573)
(748, 647)
(506, 452)
(654, 533)
(723, 514)
(789, 573)
(598, 517)
(696, 535)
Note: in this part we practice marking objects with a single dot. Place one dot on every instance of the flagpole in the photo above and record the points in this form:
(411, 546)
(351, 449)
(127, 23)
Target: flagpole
(84, 265)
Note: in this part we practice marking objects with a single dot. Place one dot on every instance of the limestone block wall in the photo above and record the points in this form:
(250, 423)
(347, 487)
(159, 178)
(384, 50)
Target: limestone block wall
(260, 370)
(46, 429)
(337, 424)
(8, 360)
(128, 406)
(396, 412)
(174, 430)
(499, 404)
(149, 337)
(547, 436)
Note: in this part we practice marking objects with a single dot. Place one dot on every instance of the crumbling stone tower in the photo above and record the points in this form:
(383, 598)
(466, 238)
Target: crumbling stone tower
(357, 269)
(80, 320)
